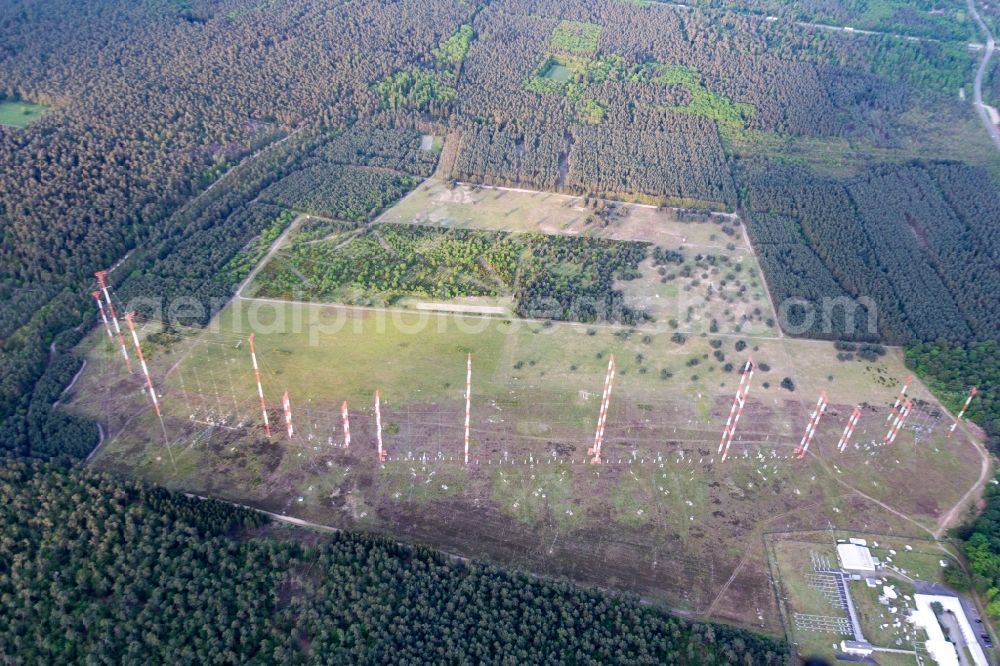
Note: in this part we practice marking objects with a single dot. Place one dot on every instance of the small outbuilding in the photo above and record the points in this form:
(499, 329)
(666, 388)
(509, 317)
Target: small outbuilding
(857, 648)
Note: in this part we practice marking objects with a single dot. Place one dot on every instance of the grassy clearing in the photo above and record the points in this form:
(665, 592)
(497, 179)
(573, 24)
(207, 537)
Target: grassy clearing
(575, 37)
(916, 559)
(20, 114)
(661, 517)
(573, 71)
(557, 72)
(894, 659)
(703, 101)
(716, 279)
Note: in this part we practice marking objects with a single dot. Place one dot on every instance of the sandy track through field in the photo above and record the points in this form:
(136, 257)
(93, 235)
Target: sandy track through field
(985, 471)
(462, 309)
(525, 320)
(267, 257)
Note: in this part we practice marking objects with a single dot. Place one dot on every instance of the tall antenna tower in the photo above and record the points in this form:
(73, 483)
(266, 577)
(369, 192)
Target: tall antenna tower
(742, 391)
(852, 423)
(468, 402)
(104, 317)
(260, 389)
(904, 411)
(810, 432)
(286, 404)
(128, 317)
(961, 413)
(609, 379)
(899, 399)
(378, 426)
(345, 419)
(114, 319)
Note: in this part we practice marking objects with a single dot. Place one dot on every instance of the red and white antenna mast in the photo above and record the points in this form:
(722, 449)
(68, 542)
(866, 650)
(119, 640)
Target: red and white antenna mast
(899, 399)
(260, 389)
(114, 319)
(852, 423)
(346, 420)
(286, 404)
(904, 411)
(128, 317)
(378, 426)
(468, 402)
(807, 436)
(968, 401)
(104, 317)
(737, 409)
(602, 417)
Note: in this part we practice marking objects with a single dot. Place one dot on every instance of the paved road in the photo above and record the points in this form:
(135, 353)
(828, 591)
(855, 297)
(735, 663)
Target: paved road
(950, 622)
(858, 31)
(971, 611)
(984, 66)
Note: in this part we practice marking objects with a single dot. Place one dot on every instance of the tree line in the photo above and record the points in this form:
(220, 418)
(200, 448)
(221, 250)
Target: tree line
(951, 369)
(913, 238)
(99, 570)
(979, 540)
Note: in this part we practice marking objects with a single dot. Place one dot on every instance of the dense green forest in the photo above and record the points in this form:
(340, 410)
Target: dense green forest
(950, 370)
(96, 570)
(914, 244)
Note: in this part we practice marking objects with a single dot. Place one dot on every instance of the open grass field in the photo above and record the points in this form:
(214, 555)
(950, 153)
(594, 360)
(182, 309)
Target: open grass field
(557, 72)
(19, 114)
(662, 517)
(575, 37)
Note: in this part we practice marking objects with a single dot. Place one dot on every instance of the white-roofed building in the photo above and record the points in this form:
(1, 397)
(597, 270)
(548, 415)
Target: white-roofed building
(855, 558)
(940, 649)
